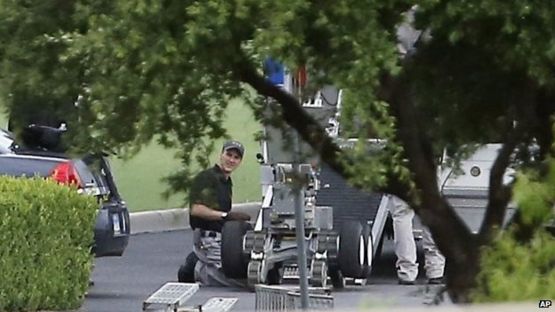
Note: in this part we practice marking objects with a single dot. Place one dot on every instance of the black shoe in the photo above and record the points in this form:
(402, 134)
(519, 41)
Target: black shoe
(435, 281)
(403, 282)
(186, 272)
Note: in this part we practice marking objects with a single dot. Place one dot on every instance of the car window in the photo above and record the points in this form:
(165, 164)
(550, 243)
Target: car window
(93, 163)
(92, 180)
(29, 166)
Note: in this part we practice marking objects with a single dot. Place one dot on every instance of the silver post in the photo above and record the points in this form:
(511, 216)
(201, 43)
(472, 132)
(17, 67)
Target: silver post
(299, 227)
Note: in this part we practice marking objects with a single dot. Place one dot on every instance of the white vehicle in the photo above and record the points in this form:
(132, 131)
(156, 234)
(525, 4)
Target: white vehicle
(467, 190)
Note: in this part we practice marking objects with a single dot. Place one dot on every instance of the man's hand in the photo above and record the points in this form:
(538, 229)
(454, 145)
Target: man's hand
(238, 215)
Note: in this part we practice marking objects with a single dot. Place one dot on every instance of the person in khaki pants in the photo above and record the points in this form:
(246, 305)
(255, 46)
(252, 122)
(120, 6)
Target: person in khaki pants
(210, 200)
(405, 246)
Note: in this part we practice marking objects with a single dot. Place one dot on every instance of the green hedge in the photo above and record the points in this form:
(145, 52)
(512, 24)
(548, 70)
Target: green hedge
(46, 231)
(518, 269)
(512, 271)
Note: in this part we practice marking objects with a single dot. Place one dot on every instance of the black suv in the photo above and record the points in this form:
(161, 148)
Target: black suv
(91, 174)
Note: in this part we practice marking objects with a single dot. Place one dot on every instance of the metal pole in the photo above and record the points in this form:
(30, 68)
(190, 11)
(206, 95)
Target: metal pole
(299, 228)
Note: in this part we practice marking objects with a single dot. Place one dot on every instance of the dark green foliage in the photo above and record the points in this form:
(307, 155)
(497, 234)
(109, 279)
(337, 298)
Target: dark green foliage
(167, 70)
(46, 232)
(520, 267)
(141, 69)
(513, 271)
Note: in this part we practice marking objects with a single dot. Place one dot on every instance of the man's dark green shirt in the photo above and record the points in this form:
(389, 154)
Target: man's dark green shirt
(212, 189)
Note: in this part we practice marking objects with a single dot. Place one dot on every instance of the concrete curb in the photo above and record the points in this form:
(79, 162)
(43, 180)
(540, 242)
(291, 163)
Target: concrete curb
(175, 219)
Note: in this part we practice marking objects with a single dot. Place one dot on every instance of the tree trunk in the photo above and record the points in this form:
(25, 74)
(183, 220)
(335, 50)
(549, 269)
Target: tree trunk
(453, 238)
(460, 247)
(461, 273)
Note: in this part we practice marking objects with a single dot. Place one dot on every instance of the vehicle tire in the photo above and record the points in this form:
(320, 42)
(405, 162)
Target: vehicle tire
(351, 255)
(254, 269)
(368, 251)
(234, 261)
(319, 273)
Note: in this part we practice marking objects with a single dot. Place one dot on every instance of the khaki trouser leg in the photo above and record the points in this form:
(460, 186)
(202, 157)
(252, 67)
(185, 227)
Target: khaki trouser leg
(405, 246)
(208, 270)
(434, 261)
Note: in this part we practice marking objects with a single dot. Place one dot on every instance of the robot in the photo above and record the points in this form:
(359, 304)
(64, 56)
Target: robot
(333, 249)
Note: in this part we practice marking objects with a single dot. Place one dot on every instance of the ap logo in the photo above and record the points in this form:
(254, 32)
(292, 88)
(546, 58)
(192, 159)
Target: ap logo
(545, 304)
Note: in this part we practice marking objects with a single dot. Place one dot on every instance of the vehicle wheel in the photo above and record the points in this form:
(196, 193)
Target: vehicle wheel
(319, 273)
(352, 249)
(254, 273)
(337, 279)
(234, 261)
(369, 251)
(329, 242)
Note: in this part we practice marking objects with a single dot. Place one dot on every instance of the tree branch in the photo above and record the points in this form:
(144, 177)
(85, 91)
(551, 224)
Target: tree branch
(544, 113)
(499, 195)
(310, 130)
(296, 117)
(433, 209)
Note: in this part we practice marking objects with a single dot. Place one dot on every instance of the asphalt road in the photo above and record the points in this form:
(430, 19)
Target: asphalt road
(121, 284)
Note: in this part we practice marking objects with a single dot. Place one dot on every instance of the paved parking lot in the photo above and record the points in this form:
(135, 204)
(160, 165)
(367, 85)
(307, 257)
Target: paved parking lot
(122, 283)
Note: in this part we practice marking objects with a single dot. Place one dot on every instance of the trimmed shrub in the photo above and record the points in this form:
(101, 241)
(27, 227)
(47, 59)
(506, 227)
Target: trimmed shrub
(46, 232)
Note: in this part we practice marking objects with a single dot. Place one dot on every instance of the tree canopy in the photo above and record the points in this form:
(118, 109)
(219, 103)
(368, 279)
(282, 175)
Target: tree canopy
(481, 71)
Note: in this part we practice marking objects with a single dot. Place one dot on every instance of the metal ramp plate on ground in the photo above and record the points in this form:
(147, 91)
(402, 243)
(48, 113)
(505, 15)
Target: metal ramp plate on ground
(273, 298)
(170, 296)
(218, 304)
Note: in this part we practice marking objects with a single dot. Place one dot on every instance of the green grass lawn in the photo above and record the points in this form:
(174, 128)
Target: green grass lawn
(139, 178)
